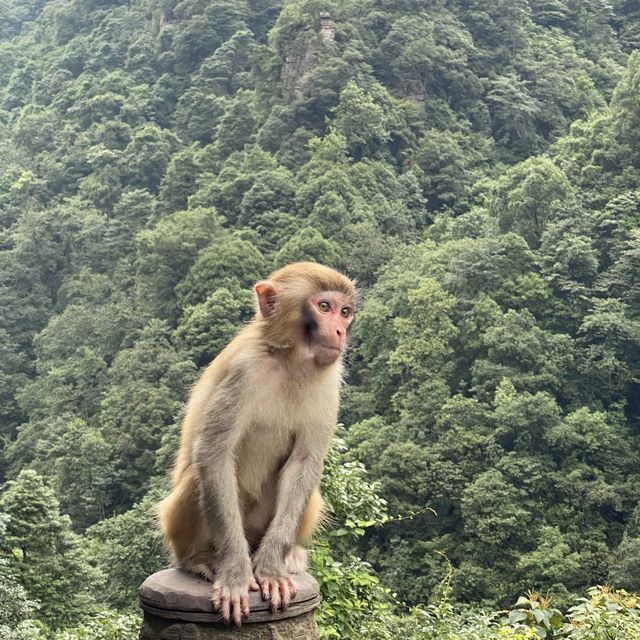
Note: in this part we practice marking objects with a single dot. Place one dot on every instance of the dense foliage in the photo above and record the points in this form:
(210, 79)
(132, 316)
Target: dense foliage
(474, 163)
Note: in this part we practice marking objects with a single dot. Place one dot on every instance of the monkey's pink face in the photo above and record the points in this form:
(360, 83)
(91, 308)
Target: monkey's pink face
(327, 319)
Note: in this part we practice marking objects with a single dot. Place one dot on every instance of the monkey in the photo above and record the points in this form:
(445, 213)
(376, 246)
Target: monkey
(258, 423)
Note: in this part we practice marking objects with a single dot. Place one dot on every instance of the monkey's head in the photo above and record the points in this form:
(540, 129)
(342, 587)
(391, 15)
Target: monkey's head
(307, 308)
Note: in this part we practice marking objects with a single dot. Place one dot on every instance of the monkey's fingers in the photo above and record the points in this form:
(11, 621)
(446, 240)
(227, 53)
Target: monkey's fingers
(276, 598)
(287, 591)
(230, 607)
(221, 599)
(216, 597)
(236, 610)
(253, 585)
(270, 591)
(244, 606)
(265, 588)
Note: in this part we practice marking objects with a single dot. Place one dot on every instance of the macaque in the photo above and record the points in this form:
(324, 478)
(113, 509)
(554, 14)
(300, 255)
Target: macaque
(257, 428)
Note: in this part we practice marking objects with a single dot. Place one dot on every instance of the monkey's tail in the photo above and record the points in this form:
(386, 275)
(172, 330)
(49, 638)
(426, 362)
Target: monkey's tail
(314, 517)
(180, 519)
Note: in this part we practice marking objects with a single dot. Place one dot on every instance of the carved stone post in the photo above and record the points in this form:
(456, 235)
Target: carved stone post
(177, 606)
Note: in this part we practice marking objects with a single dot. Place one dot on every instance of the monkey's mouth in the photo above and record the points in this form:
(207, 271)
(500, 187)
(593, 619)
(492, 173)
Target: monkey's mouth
(326, 353)
(330, 348)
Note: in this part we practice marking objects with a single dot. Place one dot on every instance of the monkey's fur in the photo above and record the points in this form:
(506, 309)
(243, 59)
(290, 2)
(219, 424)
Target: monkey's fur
(257, 427)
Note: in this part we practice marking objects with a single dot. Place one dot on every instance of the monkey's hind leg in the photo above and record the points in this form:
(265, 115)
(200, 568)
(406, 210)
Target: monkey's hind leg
(296, 561)
(181, 523)
(201, 564)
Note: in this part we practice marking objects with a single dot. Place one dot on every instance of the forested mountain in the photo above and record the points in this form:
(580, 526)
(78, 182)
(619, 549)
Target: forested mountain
(475, 164)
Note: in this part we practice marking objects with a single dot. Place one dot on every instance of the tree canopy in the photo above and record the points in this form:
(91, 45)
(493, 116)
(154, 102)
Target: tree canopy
(475, 164)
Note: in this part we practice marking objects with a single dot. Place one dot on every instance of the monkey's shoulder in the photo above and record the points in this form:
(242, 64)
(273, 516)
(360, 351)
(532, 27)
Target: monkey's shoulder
(259, 386)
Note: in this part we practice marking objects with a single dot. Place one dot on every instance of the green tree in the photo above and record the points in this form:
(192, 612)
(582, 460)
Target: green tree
(570, 264)
(448, 166)
(46, 556)
(532, 358)
(522, 420)
(179, 181)
(351, 593)
(625, 562)
(623, 278)
(17, 611)
(16, 13)
(126, 549)
(201, 27)
(207, 327)
(147, 383)
(272, 190)
(106, 625)
(421, 360)
(236, 126)
(492, 512)
(608, 339)
(13, 376)
(146, 157)
(624, 106)
(76, 384)
(229, 262)
(76, 460)
(309, 244)
(514, 113)
(529, 196)
(552, 567)
(167, 251)
(361, 120)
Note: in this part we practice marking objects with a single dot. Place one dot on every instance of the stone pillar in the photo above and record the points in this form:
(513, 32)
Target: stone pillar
(177, 606)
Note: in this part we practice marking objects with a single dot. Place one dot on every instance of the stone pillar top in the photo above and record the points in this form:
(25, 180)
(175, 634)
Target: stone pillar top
(177, 595)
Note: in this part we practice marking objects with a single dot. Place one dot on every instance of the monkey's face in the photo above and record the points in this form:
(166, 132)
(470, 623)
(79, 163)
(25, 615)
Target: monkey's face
(327, 317)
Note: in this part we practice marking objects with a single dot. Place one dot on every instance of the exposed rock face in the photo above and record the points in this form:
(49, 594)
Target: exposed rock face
(327, 28)
(302, 55)
(177, 606)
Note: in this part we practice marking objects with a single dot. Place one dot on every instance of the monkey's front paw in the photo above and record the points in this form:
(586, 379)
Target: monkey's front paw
(277, 588)
(232, 600)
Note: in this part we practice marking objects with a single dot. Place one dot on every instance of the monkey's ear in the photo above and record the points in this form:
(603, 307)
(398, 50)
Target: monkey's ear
(267, 295)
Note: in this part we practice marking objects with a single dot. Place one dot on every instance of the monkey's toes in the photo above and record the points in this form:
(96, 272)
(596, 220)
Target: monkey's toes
(233, 604)
(279, 591)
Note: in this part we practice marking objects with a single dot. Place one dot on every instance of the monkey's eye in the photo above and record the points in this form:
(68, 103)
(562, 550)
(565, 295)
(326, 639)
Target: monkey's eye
(345, 312)
(324, 306)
